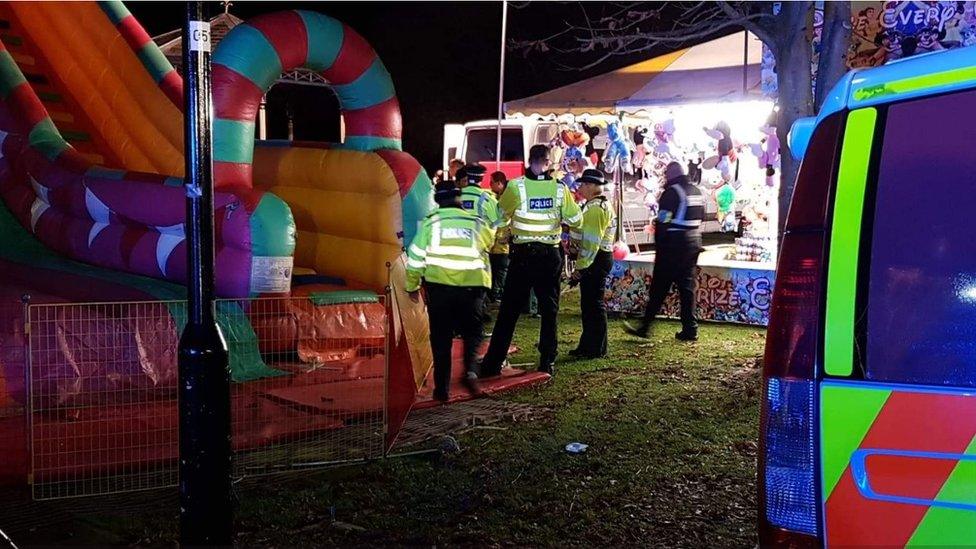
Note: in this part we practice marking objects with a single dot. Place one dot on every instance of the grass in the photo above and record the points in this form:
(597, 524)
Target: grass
(671, 429)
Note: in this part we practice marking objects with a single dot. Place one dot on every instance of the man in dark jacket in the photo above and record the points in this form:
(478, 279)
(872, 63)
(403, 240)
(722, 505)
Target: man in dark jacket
(677, 243)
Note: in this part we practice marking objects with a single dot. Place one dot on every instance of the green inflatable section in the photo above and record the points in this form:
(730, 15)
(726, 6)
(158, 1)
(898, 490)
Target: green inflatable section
(341, 297)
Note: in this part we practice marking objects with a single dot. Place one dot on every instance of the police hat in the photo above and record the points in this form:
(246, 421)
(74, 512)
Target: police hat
(593, 177)
(472, 172)
(446, 191)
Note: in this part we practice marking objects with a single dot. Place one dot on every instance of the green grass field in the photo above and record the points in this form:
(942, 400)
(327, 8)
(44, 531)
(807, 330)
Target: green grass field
(671, 430)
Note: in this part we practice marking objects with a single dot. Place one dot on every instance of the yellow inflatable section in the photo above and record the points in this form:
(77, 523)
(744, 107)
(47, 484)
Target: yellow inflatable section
(346, 204)
(123, 105)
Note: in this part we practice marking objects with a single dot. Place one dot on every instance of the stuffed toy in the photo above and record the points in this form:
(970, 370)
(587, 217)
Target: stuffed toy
(617, 154)
(725, 201)
(726, 158)
(664, 135)
(767, 151)
(573, 160)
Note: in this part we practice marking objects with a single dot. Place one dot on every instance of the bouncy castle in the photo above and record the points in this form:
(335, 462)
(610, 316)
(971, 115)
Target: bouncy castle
(308, 238)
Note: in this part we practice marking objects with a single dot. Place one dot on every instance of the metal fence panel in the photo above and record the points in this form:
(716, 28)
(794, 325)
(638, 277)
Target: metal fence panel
(308, 389)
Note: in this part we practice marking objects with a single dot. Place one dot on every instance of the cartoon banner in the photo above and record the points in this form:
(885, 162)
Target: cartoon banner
(886, 31)
(724, 294)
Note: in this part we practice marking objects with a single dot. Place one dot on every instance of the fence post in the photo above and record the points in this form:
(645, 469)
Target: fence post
(389, 332)
(206, 514)
(28, 391)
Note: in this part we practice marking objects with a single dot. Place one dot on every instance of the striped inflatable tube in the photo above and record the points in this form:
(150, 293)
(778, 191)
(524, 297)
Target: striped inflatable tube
(117, 219)
(142, 44)
(252, 57)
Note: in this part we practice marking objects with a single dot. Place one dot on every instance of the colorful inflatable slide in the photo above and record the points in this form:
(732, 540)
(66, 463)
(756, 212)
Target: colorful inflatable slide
(92, 210)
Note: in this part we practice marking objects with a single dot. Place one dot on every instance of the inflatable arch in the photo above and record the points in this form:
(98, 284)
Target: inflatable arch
(356, 204)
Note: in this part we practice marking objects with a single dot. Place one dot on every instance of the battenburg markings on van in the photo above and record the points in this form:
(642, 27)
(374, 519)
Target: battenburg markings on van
(845, 240)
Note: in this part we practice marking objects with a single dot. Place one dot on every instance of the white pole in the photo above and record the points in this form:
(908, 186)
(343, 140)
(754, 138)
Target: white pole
(501, 88)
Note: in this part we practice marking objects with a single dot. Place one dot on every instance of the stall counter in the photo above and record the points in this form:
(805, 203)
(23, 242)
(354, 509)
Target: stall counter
(728, 291)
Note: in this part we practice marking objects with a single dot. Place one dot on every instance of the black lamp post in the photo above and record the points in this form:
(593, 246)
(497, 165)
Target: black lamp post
(206, 514)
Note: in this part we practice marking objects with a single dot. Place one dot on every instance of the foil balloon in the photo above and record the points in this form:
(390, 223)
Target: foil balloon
(620, 251)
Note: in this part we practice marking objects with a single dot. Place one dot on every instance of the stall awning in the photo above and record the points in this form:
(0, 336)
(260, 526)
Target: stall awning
(708, 72)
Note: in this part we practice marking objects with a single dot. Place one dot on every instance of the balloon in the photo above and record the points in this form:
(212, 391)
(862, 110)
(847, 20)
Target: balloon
(620, 251)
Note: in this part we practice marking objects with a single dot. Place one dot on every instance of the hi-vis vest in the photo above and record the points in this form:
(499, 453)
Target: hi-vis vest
(450, 248)
(482, 203)
(537, 208)
(687, 214)
(597, 232)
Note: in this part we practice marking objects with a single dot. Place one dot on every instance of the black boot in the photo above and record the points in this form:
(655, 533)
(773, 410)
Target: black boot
(637, 330)
(687, 335)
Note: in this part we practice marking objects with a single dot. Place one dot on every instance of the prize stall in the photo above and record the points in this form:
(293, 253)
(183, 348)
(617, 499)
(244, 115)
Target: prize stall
(703, 107)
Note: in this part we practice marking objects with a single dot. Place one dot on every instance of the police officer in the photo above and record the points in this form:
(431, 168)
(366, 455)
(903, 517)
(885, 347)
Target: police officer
(677, 241)
(481, 202)
(594, 240)
(536, 205)
(450, 254)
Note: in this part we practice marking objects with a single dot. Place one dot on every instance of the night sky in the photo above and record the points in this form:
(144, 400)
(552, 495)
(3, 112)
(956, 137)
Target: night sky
(443, 57)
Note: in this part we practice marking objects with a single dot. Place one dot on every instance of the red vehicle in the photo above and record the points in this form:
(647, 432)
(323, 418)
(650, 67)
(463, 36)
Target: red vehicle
(868, 433)
(477, 142)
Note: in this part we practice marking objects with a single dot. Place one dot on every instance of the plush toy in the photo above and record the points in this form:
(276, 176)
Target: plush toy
(573, 160)
(725, 159)
(664, 135)
(767, 152)
(617, 154)
(651, 203)
(556, 150)
(725, 200)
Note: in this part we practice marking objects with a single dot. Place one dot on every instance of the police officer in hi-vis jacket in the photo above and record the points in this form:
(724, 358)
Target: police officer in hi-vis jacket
(594, 240)
(449, 255)
(536, 205)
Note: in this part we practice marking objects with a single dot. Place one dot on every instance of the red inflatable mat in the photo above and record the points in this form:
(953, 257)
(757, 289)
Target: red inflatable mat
(510, 379)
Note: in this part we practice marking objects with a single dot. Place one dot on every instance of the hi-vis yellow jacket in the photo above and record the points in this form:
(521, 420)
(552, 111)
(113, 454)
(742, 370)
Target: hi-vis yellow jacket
(537, 208)
(598, 231)
(450, 248)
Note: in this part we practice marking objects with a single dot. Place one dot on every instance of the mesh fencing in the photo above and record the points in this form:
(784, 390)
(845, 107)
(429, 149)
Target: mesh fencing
(308, 388)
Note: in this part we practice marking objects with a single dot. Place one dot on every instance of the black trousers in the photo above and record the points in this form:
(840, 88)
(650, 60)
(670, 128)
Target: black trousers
(675, 265)
(593, 310)
(453, 310)
(532, 267)
(499, 269)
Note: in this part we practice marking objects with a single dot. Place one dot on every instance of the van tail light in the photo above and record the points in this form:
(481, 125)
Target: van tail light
(788, 444)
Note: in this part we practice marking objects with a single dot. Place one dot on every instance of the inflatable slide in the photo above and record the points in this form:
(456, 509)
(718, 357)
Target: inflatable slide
(92, 210)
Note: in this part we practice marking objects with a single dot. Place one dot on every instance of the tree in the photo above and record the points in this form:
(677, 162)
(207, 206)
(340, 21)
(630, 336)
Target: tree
(620, 29)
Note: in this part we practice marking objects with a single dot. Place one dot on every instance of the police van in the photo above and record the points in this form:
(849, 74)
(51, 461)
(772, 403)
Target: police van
(868, 430)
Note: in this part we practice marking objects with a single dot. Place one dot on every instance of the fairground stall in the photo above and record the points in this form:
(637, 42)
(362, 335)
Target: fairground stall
(702, 106)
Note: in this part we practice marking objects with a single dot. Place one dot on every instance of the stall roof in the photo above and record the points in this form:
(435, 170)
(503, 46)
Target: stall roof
(708, 72)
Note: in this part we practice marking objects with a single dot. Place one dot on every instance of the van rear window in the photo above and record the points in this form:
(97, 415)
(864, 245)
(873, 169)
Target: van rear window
(921, 309)
(483, 142)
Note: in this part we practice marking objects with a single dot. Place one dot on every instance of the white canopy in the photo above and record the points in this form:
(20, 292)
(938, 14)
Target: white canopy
(723, 69)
